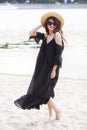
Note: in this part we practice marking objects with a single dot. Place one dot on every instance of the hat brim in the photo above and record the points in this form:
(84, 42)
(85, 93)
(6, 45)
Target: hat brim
(49, 14)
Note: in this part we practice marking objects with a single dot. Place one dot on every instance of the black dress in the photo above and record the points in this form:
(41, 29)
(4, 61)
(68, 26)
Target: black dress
(41, 87)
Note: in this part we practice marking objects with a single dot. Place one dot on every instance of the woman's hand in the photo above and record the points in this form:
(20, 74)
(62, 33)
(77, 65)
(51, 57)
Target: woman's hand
(53, 74)
(34, 30)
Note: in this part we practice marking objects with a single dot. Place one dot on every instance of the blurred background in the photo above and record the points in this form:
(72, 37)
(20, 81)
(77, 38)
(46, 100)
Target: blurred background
(43, 1)
(18, 54)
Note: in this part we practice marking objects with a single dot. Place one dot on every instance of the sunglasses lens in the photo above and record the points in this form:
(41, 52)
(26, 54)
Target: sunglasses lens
(54, 24)
(50, 23)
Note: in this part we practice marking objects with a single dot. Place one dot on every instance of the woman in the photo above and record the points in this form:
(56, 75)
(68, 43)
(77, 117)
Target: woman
(49, 61)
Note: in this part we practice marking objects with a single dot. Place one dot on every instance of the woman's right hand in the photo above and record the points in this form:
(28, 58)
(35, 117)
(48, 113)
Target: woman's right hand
(53, 74)
(34, 30)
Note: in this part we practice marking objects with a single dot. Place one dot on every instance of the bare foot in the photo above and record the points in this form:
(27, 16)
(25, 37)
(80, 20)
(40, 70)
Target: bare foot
(57, 115)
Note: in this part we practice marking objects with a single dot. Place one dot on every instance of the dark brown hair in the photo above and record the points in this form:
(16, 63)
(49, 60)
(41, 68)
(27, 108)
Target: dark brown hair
(58, 24)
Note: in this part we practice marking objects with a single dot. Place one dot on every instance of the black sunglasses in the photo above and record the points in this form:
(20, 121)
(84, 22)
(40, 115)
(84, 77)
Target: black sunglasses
(50, 23)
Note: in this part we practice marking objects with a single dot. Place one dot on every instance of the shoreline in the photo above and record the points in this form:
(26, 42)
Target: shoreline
(30, 76)
(44, 6)
(53, 6)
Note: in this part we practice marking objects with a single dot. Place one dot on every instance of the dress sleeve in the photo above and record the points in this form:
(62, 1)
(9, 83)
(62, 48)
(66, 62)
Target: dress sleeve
(39, 36)
(58, 57)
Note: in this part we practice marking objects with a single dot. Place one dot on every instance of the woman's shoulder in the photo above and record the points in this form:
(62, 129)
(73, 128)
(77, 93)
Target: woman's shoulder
(58, 39)
(57, 35)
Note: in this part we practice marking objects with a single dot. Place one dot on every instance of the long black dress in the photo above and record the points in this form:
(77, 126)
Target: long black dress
(41, 87)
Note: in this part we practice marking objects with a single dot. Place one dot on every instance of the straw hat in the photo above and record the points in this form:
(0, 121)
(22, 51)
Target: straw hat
(49, 14)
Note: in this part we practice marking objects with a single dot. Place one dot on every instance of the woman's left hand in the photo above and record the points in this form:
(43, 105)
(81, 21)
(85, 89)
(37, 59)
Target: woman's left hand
(53, 74)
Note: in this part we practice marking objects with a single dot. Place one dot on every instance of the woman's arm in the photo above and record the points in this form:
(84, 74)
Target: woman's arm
(34, 30)
(58, 41)
(58, 38)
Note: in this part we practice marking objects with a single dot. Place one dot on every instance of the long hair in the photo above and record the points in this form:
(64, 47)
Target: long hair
(58, 26)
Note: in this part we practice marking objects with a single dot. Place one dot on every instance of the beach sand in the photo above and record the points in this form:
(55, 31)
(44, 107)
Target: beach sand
(70, 97)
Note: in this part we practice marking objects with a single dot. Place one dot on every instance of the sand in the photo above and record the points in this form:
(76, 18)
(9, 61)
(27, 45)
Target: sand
(70, 97)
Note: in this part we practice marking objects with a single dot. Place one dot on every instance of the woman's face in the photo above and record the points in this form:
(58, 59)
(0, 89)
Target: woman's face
(51, 25)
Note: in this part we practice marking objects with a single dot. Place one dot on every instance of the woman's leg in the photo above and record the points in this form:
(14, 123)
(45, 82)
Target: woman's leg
(50, 109)
(51, 105)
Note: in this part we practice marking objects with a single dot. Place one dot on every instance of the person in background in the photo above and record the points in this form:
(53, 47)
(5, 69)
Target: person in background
(48, 64)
